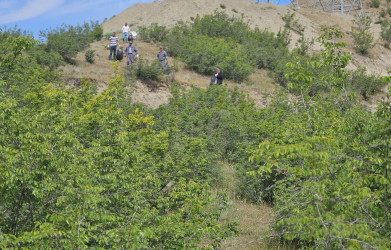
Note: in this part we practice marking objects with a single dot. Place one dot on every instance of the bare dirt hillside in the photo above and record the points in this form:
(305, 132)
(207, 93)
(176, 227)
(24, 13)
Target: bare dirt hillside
(262, 15)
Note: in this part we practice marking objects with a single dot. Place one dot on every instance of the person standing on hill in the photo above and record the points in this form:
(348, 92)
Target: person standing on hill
(125, 32)
(113, 42)
(162, 57)
(130, 53)
(217, 77)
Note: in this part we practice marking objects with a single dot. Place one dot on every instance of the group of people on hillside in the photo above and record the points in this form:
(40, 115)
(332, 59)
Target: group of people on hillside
(131, 52)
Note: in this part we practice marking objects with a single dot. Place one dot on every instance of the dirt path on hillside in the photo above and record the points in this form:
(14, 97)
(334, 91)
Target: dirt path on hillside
(254, 220)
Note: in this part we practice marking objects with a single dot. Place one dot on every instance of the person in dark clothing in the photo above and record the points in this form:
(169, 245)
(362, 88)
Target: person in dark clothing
(217, 77)
(120, 53)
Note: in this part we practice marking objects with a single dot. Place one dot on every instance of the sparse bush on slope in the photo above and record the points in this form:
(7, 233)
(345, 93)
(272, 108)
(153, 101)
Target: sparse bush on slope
(69, 40)
(363, 38)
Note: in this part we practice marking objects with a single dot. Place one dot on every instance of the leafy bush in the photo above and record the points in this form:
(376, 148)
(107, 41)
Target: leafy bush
(366, 85)
(221, 25)
(363, 38)
(222, 6)
(69, 40)
(203, 54)
(94, 31)
(292, 24)
(46, 58)
(89, 56)
(153, 33)
(212, 40)
(77, 168)
(147, 71)
(374, 3)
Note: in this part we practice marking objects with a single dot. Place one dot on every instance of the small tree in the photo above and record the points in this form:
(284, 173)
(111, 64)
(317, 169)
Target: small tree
(363, 38)
(292, 23)
(374, 4)
(89, 55)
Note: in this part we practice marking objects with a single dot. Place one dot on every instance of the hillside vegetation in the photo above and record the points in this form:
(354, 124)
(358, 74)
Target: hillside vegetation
(84, 166)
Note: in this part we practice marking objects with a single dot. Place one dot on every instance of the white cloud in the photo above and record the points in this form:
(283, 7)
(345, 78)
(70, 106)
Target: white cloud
(30, 9)
(6, 4)
(85, 5)
(80, 6)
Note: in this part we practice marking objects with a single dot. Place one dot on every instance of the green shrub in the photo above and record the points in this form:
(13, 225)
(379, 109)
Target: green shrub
(94, 31)
(153, 33)
(145, 70)
(303, 45)
(200, 45)
(366, 85)
(203, 54)
(374, 3)
(234, 10)
(89, 56)
(219, 24)
(292, 23)
(363, 38)
(222, 6)
(68, 40)
(46, 57)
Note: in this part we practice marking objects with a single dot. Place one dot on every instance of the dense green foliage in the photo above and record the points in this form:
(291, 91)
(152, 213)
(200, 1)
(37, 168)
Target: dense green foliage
(85, 170)
(321, 165)
(153, 33)
(69, 40)
(323, 162)
(374, 3)
(81, 169)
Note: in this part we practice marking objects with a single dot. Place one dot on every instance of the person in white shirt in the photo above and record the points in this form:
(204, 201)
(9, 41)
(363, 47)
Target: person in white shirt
(125, 32)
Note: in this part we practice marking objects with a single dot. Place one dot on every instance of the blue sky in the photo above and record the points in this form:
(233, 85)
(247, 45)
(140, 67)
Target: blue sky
(36, 15)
